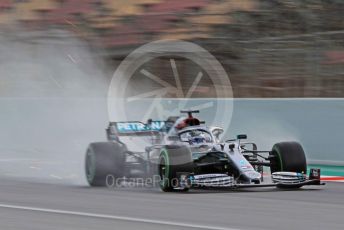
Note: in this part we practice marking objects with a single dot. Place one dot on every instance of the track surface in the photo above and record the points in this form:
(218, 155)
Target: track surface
(27, 205)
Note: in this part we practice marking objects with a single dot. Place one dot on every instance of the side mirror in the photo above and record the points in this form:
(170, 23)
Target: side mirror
(241, 136)
(231, 146)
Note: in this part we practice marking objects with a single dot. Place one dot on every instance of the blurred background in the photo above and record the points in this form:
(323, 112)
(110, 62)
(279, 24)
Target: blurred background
(285, 62)
(269, 48)
(57, 58)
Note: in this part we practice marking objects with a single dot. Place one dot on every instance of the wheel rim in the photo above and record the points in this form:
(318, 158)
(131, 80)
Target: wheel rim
(90, 167)
(277, 164)
(164, 170)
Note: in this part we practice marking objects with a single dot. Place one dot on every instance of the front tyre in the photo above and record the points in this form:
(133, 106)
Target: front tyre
(173, 159)
(288, 157)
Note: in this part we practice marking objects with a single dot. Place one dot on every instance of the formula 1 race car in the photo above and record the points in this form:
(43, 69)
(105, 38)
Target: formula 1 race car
(182, 152)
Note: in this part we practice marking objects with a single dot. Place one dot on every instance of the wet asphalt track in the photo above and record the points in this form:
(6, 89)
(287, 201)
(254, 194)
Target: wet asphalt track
(29, 205)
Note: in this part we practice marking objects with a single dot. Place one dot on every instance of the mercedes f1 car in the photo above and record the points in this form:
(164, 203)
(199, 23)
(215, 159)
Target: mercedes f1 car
(184, 153)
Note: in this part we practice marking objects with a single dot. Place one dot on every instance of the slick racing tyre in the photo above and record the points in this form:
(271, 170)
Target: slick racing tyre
(288, 157)
(104, 159)
(173, 159)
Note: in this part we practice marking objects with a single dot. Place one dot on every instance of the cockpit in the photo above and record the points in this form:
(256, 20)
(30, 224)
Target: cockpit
(196, 136)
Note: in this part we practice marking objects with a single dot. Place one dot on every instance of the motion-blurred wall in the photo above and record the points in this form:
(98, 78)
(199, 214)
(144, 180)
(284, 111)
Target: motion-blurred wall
(275, 48)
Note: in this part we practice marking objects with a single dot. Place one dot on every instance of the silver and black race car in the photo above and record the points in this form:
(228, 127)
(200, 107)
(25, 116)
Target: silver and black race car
(183, 153)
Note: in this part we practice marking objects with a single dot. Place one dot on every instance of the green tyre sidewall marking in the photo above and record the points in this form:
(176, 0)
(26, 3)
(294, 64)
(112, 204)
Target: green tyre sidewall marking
(280, 159)
(164, 182)
(91, 165)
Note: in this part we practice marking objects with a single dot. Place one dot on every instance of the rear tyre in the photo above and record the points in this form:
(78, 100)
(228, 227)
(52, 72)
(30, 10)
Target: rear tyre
(104, 161)
(173, 159)
(288, 157)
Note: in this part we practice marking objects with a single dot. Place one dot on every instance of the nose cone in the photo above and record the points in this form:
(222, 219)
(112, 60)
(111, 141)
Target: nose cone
(253, 175)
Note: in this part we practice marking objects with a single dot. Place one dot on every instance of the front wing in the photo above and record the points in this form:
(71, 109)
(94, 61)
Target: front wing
(280, 180)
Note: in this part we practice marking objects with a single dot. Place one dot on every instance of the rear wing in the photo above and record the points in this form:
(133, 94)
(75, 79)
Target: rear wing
(135, 128)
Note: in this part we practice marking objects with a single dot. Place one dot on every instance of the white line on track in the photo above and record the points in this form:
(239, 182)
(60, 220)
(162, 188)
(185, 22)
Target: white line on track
(113, 217)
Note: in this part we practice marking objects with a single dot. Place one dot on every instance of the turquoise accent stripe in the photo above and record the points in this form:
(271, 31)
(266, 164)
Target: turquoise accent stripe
(328, 170)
